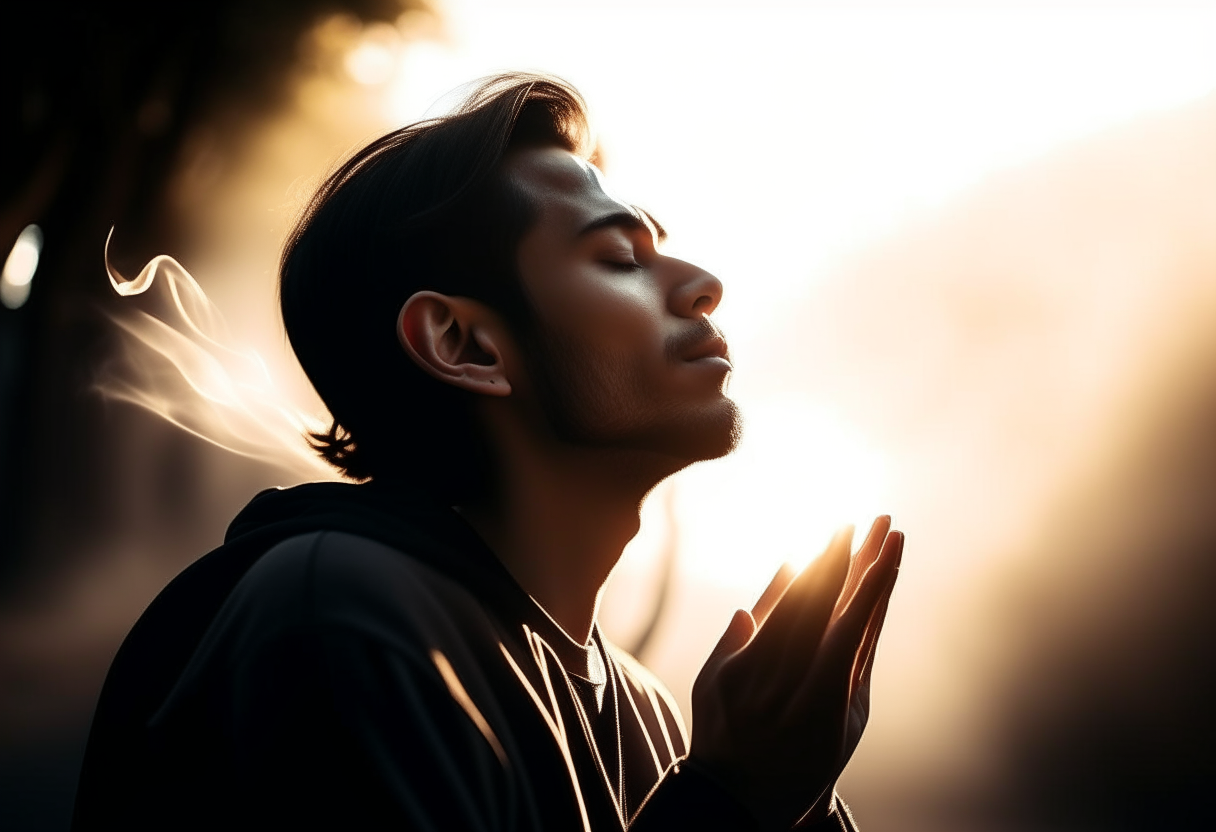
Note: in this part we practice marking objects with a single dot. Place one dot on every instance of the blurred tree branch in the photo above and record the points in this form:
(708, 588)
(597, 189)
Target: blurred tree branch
(97, 102)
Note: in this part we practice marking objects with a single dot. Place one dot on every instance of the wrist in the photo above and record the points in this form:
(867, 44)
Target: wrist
(771, 812)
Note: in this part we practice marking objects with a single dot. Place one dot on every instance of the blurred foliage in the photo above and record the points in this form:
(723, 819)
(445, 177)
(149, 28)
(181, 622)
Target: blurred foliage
(99, 102)
(90, 86)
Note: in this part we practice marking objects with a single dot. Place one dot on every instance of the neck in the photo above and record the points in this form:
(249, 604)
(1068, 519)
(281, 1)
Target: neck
(559, 522)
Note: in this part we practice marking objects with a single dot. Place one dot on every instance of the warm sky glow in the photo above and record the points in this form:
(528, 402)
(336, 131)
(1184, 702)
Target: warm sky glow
(820, 126)
(776, 142)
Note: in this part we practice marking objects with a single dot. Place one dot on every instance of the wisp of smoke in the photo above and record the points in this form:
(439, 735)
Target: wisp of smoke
(186, 370)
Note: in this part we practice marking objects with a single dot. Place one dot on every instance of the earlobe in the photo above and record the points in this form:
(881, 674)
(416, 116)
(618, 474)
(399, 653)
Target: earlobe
(454, 340)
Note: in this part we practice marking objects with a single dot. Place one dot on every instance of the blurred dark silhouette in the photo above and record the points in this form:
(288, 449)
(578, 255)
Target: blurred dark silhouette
(1111, 718)
(100, 103)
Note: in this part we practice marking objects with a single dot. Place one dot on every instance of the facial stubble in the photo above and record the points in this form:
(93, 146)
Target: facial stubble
(598, 397)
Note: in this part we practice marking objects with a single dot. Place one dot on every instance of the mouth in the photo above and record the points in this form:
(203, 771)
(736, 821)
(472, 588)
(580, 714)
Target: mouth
(702, 343)
(712, 349)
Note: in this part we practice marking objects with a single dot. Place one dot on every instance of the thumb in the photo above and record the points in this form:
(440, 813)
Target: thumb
(738, 633)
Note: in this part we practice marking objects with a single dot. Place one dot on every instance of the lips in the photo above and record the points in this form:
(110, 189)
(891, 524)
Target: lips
(701, 341)
(715, 347)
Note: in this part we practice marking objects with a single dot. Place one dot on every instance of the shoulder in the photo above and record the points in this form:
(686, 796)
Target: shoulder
(325, 609)
(330, 555)
(331, 581)
(331, 564)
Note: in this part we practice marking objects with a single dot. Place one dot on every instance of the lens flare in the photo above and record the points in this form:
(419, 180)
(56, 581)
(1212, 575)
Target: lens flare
(20, 266)
(374, 59)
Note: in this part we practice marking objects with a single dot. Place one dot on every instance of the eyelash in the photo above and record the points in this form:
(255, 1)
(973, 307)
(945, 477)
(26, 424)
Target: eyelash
(617, 265)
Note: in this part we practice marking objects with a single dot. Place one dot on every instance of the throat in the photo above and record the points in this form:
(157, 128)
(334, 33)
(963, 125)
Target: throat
(559, 537)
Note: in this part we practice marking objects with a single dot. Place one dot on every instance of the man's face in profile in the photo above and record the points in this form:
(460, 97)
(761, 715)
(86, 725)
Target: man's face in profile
(625, 355)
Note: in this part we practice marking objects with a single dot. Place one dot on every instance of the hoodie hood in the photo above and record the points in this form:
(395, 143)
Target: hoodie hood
(165, 637)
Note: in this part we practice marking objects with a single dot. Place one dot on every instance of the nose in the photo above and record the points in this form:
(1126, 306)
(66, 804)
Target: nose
(695, 292)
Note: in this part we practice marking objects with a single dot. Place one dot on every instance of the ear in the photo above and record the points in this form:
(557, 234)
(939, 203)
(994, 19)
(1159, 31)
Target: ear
(455, 340)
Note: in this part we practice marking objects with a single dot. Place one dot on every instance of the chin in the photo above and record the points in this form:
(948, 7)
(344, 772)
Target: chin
(705, 435)
(728, 432)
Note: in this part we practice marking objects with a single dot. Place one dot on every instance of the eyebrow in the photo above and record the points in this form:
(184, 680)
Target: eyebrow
(627, 220)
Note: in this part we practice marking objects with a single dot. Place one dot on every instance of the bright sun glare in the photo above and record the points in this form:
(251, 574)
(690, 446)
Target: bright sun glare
(805, 132)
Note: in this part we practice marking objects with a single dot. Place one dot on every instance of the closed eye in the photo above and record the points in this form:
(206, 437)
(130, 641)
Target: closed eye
(622, 265)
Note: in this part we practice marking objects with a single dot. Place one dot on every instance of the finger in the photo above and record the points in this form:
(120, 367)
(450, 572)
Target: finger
(866, 555)
(883, 566)
(772, 594)
(738, 632)
(870, 548)
(876, 624)
(832, 674)
(865, 656)
(790, 637)
(859, 691)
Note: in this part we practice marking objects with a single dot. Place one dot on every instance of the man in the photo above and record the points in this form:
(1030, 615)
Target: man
(512, 364)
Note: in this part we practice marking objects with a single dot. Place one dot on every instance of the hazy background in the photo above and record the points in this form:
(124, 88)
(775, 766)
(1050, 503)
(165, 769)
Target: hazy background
(969, 253)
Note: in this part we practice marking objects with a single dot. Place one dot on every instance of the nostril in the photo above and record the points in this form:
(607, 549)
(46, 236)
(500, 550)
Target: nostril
(700, 304)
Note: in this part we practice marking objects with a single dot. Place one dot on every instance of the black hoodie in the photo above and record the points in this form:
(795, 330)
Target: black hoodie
(355, 657)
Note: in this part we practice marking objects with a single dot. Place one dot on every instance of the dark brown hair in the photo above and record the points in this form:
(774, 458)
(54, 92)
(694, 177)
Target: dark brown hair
(424, 207)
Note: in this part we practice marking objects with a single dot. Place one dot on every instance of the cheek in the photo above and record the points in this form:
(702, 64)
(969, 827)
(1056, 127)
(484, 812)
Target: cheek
(622, 311)
(600, 307)
(627, 318)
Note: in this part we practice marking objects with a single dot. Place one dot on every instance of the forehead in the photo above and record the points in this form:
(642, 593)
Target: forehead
(568, 190)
